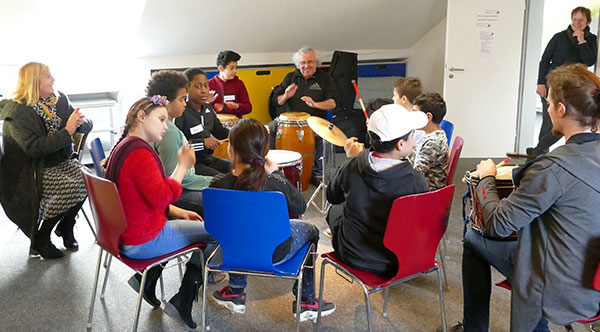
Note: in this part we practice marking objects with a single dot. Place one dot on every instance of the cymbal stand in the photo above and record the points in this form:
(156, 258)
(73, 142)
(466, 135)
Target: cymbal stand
(328, 155)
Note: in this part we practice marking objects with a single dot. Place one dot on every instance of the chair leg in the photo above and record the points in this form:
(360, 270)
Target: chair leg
(441, 292)
(106, 259)
(91, 314)
(299, 299)
(205, 326)
(321, 281)
(443, 259)
(368, 304)
(106, 276)
(385, 302)
(162, 289)
(139, 301)
(89, 223)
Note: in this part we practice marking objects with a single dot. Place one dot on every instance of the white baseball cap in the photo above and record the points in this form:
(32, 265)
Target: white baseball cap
(393, 121)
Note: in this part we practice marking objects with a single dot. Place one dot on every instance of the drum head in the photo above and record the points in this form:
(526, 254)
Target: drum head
(227, 117)
(284, 157)
(294, 116)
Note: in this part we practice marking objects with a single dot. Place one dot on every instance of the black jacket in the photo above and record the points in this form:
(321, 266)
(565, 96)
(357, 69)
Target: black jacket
(562, 49)
(367, 196)
(196, 126)
(319, 87)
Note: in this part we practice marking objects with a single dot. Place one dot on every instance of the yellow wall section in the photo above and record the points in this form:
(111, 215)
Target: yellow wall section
(259, 88)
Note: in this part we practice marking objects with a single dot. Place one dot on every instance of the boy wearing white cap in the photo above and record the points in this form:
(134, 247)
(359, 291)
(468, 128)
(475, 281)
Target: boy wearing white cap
(365, 187)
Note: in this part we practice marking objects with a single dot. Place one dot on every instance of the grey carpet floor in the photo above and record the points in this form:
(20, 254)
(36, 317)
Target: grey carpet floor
(39, 295)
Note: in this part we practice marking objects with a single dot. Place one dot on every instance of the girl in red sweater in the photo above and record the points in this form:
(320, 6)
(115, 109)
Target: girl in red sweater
(147, 194)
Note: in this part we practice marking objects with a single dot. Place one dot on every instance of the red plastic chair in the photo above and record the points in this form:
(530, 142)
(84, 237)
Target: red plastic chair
(414, 229)
(454, 156)
(110, 224)
(453, 161)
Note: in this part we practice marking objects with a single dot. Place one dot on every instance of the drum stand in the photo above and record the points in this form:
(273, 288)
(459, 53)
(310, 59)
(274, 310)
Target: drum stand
(328, 149)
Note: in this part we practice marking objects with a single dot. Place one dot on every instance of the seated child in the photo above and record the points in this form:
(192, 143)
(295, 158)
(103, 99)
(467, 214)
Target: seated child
(431, 153)
(365, 187)
(230, 92)
(248, 147)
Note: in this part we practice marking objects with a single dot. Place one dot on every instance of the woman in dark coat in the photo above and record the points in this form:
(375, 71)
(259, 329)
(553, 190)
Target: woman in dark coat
(576, 44)
(40, 184)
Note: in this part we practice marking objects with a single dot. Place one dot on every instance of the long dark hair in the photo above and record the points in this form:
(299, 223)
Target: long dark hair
(249, 140)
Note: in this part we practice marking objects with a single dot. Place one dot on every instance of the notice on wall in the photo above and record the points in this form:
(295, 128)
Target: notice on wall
(485, 24)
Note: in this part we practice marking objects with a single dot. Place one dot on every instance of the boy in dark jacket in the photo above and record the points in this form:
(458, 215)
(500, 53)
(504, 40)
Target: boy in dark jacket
(366, 186)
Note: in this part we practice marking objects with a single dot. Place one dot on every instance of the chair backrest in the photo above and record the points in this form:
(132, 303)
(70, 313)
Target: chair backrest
(97, 152)
(107, 210)
(454, 156)
(448, 128)
(79, 144)
(415, 227)
(250, 232)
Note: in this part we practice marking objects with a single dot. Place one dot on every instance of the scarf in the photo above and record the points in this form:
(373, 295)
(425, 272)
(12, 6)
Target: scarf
(46, 109)
(569, 33)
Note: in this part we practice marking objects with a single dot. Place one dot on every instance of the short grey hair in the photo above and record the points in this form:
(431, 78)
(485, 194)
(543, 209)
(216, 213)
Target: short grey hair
(302, 50)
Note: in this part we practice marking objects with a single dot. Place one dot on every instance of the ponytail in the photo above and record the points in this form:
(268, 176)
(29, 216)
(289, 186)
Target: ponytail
(249, 139)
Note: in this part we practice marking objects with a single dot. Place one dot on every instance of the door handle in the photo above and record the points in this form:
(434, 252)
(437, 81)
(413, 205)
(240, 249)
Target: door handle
(452, 69)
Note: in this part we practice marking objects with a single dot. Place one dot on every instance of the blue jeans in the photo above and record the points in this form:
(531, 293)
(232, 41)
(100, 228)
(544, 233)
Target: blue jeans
(479, 254)
(302, 233)
(174, 235)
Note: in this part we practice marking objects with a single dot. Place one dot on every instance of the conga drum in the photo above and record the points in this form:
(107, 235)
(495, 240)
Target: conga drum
(293, 133)
(290, 163)
(504, 186)
(228, 120)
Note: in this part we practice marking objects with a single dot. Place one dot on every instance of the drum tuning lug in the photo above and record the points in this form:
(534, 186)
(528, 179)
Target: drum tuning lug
(279, 132)
(300, 134)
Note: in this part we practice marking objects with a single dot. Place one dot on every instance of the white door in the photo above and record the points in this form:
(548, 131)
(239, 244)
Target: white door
(481, 75)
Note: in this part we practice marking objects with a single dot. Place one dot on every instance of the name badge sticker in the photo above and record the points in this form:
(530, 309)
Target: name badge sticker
(196, 129)
(229, 98)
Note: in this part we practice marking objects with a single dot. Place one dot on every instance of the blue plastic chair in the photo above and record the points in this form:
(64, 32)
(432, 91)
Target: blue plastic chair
(97, 153)
(248, 236)
(448, 128)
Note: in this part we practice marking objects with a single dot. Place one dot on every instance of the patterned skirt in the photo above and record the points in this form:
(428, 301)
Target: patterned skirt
(62, 188)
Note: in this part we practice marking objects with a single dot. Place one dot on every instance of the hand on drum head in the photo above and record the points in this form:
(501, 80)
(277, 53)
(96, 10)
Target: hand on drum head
(270, 166)
(353, 147)
(486, 168)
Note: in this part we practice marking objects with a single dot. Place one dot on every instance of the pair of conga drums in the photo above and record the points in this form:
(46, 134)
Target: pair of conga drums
(294, 134)
(228, 121)
(504, 186)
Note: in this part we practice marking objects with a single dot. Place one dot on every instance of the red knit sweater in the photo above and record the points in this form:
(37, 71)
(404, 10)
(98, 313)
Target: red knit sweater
(235, 90)
(146, 195)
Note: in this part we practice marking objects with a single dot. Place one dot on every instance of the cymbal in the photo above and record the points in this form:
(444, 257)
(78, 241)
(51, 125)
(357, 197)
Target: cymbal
(327, 130)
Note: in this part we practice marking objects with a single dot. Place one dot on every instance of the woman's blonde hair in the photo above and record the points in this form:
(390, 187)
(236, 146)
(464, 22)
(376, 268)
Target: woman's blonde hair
(28, 86)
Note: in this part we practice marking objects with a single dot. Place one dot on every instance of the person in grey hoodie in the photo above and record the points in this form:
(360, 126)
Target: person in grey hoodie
(554, 209)
(365, 187)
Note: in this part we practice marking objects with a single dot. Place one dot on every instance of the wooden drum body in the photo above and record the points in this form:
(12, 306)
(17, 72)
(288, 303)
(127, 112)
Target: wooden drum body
(293, 133)
(504, 186)
(228, 120)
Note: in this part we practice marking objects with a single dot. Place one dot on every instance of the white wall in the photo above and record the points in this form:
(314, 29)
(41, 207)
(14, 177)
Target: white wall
(426, 59)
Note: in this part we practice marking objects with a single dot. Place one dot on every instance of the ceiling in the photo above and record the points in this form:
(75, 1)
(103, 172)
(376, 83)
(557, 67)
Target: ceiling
(178, 27)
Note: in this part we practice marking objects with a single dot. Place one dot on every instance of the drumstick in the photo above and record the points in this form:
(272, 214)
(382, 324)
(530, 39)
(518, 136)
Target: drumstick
(224, 140)
(360, 99)
(503, 162)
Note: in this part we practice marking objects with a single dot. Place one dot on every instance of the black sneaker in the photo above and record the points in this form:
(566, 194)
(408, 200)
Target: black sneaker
(309, 309)
(234, 302)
